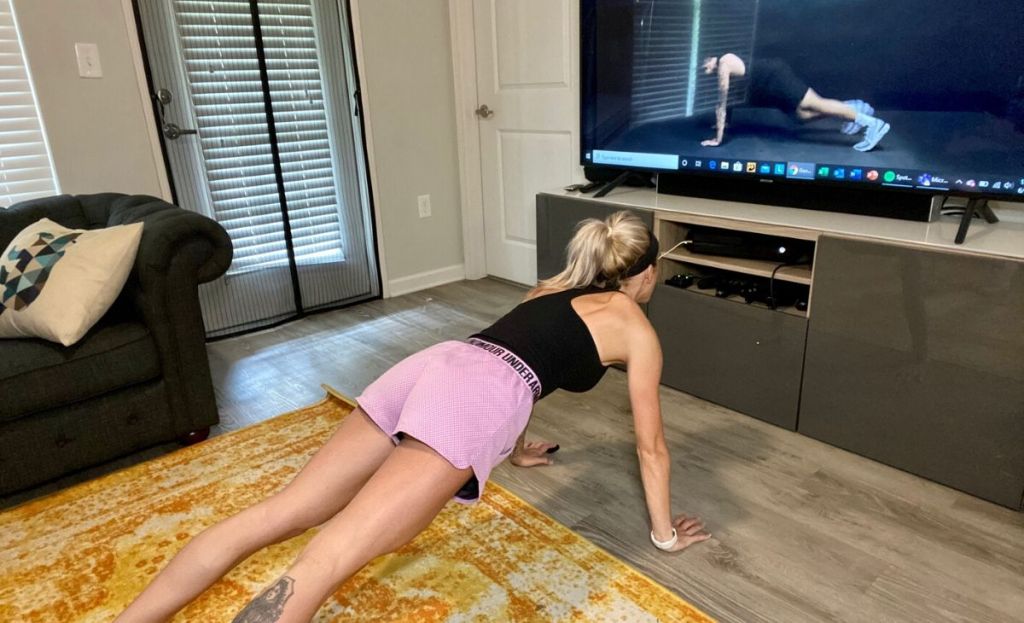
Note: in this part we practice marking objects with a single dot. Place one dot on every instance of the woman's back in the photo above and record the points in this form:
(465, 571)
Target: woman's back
(566, 336)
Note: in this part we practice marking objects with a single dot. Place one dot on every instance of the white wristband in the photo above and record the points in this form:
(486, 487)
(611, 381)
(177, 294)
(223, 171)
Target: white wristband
(665, 545)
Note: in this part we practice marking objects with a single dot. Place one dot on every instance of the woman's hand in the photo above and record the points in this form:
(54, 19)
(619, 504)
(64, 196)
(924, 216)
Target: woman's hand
(689, 530)
(534, 453)
(711, 142)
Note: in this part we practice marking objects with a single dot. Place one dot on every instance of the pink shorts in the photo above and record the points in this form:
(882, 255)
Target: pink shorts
(468, 403)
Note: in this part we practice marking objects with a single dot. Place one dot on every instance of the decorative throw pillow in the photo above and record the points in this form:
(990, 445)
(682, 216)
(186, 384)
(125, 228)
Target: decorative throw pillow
(55, 282)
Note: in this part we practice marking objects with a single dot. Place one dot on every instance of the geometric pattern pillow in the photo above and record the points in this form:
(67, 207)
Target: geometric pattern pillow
(55, 282)
(23, 282)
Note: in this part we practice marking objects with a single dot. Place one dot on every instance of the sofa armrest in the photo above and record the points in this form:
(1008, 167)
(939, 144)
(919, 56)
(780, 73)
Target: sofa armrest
(179, 250)
(168, 231)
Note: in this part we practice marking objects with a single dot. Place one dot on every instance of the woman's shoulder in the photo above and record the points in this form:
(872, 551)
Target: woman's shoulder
(627, 313)
(614, 301)
(540, 291)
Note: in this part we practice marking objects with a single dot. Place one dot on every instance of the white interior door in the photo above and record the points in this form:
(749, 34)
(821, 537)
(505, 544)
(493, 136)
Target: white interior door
(527, 59)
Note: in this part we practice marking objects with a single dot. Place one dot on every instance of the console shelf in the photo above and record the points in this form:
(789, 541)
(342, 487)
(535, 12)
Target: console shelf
(758, 268)
(674, 228)
(735, 298)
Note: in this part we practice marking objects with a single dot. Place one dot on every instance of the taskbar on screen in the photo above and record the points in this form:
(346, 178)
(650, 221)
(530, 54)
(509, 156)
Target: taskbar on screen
(812, 171)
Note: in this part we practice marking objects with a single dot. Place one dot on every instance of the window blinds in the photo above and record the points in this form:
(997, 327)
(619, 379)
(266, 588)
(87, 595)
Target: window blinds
(222, 68)
(671, 40)
(26, 171)
(725, 26)
(663, 32)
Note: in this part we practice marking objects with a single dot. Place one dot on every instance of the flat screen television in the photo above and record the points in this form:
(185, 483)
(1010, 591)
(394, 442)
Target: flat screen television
(919, 96)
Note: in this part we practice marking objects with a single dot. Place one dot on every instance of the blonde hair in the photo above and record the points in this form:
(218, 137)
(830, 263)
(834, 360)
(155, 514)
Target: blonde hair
(601, 252)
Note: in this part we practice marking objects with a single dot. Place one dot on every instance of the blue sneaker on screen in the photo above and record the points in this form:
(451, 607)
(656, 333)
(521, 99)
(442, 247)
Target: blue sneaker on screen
(876, 131)
(851, 128)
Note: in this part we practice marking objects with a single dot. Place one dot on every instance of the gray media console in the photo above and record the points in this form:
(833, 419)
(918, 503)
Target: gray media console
(911, 351)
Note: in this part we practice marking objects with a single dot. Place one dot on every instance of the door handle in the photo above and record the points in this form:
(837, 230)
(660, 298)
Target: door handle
(173, 132)
(484, 112)
(170, 130)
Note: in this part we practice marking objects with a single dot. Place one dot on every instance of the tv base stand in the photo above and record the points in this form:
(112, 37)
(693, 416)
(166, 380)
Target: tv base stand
(974, 207)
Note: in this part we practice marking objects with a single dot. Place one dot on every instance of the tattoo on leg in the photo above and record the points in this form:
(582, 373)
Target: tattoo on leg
(268, 605)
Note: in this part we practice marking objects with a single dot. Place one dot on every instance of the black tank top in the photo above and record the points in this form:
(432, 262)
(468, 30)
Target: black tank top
(551, 338)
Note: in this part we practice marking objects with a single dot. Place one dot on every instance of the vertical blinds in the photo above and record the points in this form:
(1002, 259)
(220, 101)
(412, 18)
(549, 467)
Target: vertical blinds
(725, 26)
(662, 33)
(222, 69)
(25, 168)
(671, 40)
(296, 91)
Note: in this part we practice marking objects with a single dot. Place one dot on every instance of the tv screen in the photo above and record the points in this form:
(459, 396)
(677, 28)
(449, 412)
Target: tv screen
(924, 95)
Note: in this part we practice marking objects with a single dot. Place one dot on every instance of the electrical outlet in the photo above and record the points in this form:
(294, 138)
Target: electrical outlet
(423, 201)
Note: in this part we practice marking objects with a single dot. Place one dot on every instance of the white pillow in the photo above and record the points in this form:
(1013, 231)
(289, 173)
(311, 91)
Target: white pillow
(55, 282)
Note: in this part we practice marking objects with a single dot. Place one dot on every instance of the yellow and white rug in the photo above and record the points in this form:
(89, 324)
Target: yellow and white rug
(84, 553)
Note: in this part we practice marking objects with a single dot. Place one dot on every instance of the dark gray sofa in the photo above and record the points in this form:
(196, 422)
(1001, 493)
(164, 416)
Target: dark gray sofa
(141, 376)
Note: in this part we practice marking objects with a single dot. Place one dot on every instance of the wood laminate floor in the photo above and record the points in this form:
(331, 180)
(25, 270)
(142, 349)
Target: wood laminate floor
(802, 531)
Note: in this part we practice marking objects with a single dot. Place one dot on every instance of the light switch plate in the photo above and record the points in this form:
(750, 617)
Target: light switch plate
(88, 60)
(423, 203)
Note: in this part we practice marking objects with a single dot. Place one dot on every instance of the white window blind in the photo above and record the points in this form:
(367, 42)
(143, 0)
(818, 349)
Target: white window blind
(671, 40)
(725, 26)
(662, 37)
(219, 46)
(290, 41)
(26, 171)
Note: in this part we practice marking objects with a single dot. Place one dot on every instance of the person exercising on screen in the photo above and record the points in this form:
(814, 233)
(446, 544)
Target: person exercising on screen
(774, 84)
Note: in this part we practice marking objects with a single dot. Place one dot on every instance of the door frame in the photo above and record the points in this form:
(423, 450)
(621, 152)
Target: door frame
(156, 145)
(367, 135)
(136, 41)
(463, 43)
(467, 129)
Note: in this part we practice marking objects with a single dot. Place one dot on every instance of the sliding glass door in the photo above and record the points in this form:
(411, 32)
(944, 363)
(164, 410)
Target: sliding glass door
(256, 109)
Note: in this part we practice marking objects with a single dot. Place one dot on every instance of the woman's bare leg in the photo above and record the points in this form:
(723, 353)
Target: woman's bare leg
(397, 503)
(330, 479)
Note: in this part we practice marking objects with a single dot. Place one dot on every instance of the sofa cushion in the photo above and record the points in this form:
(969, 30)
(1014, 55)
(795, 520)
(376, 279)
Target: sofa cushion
(36, 375)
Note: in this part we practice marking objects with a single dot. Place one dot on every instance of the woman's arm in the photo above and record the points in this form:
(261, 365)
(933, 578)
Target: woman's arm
(721, 110)
(533, 453)
(644, 378)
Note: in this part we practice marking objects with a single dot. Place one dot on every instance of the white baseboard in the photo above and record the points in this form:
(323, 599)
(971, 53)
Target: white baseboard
(428, 279)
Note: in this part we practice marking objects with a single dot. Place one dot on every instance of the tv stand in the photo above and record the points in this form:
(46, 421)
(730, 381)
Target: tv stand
(612, 185)
(909, 350)
(974, 207)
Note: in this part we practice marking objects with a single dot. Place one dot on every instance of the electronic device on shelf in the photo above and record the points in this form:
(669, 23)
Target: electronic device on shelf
(730, 243)
(874, 129)
(752, 289)
(680, 281)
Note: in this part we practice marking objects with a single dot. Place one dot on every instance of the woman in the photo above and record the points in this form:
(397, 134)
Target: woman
(434, 426)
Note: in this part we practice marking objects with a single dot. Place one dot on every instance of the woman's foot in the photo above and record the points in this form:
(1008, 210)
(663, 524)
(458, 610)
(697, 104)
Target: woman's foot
(875, 132)
(852, 128)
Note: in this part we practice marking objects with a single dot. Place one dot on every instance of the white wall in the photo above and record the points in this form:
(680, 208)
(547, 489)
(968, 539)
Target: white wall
(98, 130)
(406, 78)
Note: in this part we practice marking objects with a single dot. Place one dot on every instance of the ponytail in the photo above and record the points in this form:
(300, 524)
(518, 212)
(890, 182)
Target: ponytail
(603, 253)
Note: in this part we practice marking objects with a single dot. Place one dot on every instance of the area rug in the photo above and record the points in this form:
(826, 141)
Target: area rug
(82, 554)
